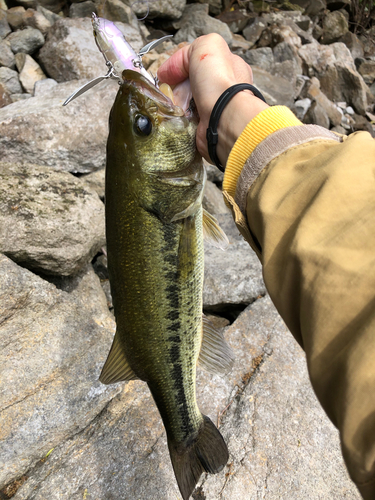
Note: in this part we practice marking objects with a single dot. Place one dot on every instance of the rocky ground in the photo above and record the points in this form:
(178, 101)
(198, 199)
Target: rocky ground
(63, 435)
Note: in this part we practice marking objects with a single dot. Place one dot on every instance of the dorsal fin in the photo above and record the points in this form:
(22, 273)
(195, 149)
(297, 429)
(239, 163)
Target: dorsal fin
(213, 233)
(215, 355)
(116, 368)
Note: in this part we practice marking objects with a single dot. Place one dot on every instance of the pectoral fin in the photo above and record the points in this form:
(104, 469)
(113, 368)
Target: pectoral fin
(116, 368)
(213, 233)
(215, 355)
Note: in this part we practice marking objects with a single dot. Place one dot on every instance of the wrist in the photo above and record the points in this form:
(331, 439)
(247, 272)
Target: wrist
(239, 111)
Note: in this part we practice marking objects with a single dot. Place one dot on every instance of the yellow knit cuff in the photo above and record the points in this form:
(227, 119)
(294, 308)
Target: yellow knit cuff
(265, 123)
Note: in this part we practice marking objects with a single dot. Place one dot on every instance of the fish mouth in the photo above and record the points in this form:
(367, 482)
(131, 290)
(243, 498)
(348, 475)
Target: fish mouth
(136, 81)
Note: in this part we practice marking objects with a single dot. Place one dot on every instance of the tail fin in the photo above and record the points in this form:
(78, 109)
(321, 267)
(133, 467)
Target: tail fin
(207, 453)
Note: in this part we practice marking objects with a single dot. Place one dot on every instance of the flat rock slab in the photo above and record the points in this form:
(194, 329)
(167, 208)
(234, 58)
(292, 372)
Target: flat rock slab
(52, 347)
(282, 446)
(233, 276)
(50, 221)
(71, 138)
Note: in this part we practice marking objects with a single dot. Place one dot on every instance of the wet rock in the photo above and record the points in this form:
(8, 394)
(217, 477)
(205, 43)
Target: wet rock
(51, 222)
(70, 51)
(70, 138)
(276, 432)
(254, 29)
(82, 9)
(195, 22)
(30, 72)
(28, 40)
(10, 81)
(15, 17)
(232, 277)
(42, 87)
(6, 55)
(167, 9)
(335, 25)
(4, 26)
(52, 347)
(37, 20)
(262, 58)
(116, 10)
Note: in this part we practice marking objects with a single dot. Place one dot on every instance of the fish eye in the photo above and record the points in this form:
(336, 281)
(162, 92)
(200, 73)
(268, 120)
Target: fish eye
(143, 125)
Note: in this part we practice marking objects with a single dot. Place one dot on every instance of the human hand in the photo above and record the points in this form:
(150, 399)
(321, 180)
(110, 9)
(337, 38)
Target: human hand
(212, 69)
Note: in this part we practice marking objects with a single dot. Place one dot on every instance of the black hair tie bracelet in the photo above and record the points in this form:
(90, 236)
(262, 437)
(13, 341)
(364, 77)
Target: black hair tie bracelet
(211, 135)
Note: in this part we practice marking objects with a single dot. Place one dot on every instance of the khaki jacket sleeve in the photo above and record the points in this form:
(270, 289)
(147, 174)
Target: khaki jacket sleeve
(305, 201)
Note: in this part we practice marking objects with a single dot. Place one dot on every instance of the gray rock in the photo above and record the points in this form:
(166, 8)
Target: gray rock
(20, 97)
(277, 434)
(5, 96)
(4, 26)
(167, 9)
(311, 7)
(10, 81)
(48, 14)
(213, 200)
(366, 69)
(335, 25)
(195, 22)
(330, 109)
(51, 222)
(42, 87)
(339, 129)
(353, 43)
(82, 9)
(15, 17)
(37, 20)
(276, 90)
(301, 107)
(333, 65)
(232, 277)
(96, 180)
(71, 138)
(215, 6)
(70, 51)
(213, 173)
(262, 58)
(30, 71)
(254, 30)
(6, 55)
(55, 6)
(116, 10)
(317, 115)
(52, 347)
(235, 19)
(28, 40)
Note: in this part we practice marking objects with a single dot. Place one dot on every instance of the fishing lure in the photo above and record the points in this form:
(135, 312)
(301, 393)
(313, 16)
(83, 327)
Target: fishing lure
(118, 54)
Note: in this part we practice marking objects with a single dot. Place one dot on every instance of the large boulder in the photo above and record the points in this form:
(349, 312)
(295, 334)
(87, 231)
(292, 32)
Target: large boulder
(52, 346)
(71, 138)
(166, 9)
(281, 443)
(70, 51)
(49, 221)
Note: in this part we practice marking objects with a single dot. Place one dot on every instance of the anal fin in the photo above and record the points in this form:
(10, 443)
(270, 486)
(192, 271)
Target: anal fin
(213, 233)
(116, 368)
(215, 355)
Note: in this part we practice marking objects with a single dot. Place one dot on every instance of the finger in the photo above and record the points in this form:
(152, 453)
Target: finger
(176, 68)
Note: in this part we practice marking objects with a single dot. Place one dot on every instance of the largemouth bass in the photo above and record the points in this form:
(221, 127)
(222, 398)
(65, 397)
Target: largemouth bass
(154, 224)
